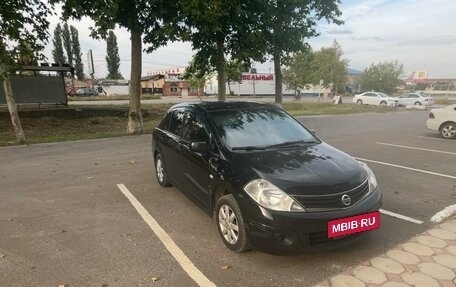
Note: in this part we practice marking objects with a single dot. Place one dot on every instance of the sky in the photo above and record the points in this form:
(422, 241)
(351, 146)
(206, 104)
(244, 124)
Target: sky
(420, 34)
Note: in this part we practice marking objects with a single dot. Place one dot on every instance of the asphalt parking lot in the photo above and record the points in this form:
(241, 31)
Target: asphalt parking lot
(64, 220)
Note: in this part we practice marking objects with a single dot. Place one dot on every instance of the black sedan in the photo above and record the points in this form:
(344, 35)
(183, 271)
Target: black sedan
(269, 182)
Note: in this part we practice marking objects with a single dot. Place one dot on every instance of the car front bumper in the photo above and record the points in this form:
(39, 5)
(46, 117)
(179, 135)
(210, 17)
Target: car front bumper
(290, 233)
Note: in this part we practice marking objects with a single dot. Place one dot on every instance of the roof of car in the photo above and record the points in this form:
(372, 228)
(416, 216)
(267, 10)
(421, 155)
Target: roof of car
(227, 105)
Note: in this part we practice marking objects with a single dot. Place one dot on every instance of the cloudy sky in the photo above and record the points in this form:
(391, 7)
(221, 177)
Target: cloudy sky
(420, 34)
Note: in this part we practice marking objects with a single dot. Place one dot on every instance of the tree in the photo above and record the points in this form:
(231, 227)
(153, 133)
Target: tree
(234, 72)
(57, 51)
(22, 23)
(286, 24)
(299, 74)
(220, 29)
(329, 66)
(154, 22)
(68, 43)
(76, 49)
(383, 77)
(112, 57)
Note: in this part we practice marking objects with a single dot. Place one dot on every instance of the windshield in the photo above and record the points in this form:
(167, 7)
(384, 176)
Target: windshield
(259, 128)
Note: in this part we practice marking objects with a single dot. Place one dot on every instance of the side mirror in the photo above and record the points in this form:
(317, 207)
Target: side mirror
(200, 147)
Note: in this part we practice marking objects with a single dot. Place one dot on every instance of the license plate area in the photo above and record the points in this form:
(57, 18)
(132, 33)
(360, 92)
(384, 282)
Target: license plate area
(353, 224)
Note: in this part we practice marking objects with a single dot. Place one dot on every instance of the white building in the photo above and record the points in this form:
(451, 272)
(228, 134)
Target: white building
(261, 84)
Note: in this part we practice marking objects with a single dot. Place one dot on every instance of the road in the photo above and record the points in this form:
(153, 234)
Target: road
(63, 219)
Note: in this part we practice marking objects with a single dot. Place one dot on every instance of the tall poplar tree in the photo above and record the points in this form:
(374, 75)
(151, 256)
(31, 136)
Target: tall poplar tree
(112, 57)
(76, 48)
(67, 43)
(57, 51)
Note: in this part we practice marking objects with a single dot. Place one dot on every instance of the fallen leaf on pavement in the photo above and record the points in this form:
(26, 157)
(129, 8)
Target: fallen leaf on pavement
(132, 162)
(225, 267)
(154, 279)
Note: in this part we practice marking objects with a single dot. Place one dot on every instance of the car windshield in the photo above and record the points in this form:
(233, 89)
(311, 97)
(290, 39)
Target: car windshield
(255, 129)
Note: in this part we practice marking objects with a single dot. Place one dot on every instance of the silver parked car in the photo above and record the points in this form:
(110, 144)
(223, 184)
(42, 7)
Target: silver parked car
(415, 99)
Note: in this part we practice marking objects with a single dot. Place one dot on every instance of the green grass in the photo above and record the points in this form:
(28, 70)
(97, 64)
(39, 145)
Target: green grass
(53, 129)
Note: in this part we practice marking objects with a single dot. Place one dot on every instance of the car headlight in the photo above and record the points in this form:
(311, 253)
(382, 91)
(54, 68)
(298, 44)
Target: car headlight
(269, 196)
(370, 177)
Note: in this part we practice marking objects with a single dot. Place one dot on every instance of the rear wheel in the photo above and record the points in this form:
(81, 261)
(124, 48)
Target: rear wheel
(230, 223)
(448, 130)
(160, 171)
(359, 102)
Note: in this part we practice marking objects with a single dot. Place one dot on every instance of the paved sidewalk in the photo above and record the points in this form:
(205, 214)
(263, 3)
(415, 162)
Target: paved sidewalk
(427, 260)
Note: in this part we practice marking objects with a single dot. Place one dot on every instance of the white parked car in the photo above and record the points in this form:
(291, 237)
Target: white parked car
(375, 98)
(415, 99)
(444, 121)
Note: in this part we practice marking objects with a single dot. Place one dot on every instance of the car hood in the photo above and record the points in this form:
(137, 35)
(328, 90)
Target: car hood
(304, 170)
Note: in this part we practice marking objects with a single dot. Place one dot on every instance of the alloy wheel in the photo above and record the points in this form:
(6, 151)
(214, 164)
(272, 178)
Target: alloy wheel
(228, 223)
(449, 131)
(160, 172)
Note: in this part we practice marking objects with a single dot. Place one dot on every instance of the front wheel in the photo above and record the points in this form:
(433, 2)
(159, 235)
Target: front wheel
(448, 130)
(160, 171)
(383, 104)
(417, 104)
(230, 224)
(359, 102)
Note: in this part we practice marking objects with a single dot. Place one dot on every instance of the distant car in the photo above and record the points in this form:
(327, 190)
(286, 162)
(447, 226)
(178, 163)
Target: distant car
(375, 98)
(415, 99)
(443, 120)
(85, 92)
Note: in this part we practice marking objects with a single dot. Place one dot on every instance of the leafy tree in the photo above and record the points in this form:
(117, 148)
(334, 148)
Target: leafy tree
(329, 66)
(299, 73)
(152, 21)
(222, 28)
(22, 23)
(57, 51)
(234, 72)
(112, 57)
(383, 77)
(286, 24)
(76, 49)
(68, 43)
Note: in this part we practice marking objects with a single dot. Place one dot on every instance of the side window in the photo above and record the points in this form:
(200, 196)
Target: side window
(194, 129)
(176, 121)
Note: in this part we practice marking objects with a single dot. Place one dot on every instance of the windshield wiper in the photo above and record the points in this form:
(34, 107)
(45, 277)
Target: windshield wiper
(288, 143)
(248, 148)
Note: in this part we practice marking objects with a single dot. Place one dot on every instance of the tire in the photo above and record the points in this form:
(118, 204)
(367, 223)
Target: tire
(160, 171)
(383, 104)
(228, 218)
(448, 130)
(359, 102)
(417, 104)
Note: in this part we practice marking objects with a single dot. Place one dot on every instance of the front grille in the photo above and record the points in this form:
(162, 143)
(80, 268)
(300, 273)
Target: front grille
(327, 202)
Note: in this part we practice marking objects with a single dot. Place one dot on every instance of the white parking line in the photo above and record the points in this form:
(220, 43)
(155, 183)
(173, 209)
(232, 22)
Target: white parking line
(417, 148)
(175, 251)
(400, 216)
(445, 213)
(407, 168)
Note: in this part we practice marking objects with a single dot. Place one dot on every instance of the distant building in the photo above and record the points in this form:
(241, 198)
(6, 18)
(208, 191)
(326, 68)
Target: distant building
(169, 83)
